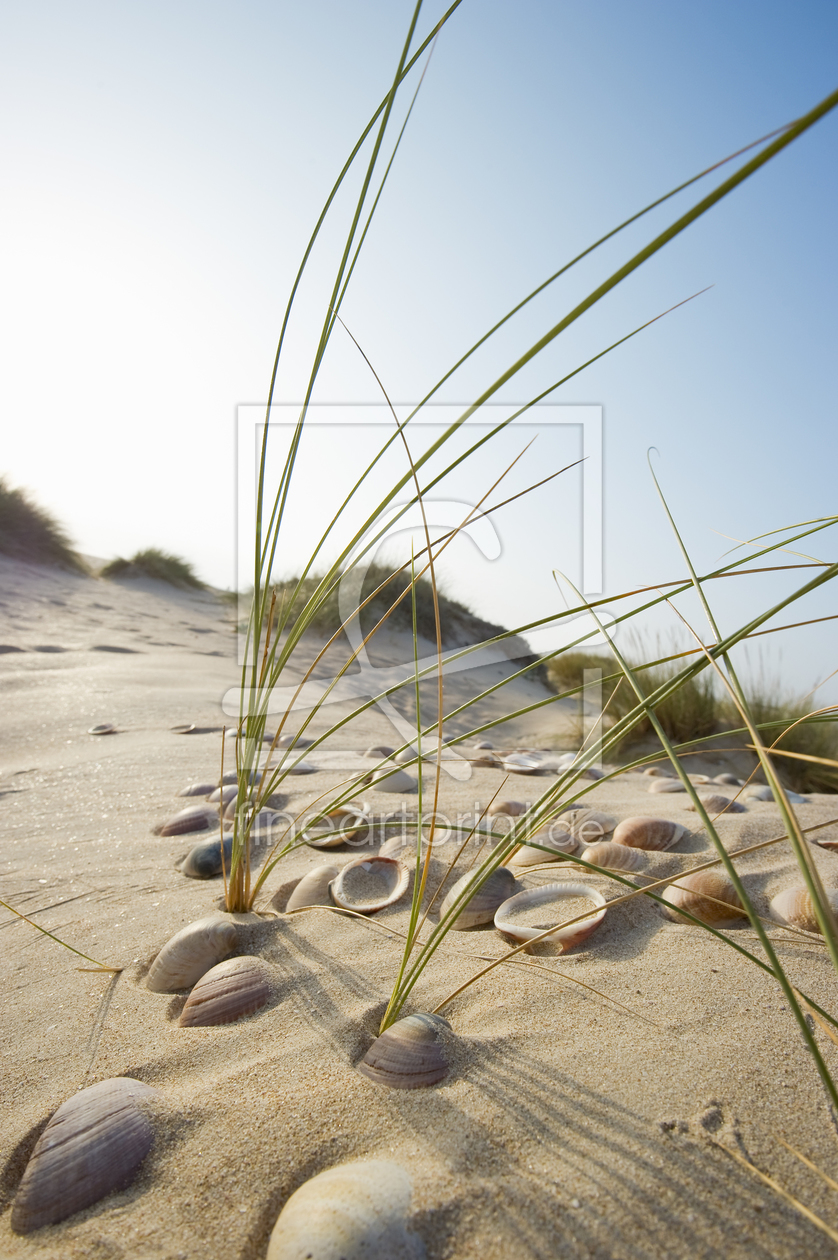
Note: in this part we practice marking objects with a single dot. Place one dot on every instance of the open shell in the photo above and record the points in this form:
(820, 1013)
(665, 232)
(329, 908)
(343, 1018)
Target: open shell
(94, 1143)
(354, 1211)
(553, 894)
(204, 861)
(666, 785)
(794, 907)
(481, 906)
(227, 992)
(614, 857)
(368, 884)
(336, 828)
(715, 803)
(408, 1055)
(588, 825)
(313, 888)
(193, 818)
(191, 952)
(654, 834)
(693, 893)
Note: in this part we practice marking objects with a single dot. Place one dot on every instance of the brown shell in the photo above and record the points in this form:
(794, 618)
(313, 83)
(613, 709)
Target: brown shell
(94, 1143)
(588, 825)
(693, 893)
(654, 834)
(313, 889)
(666, 785)
(193, 818)
(198, 789)
(227, 992)
(368, 884)
(717, 804)
(191, 952)
(794, 906)
(481, 906)
(614, 857)
(557, 837)
(408, 1055)
(513, 809)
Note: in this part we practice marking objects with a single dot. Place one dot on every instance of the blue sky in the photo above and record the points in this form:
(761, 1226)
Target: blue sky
(162, 166)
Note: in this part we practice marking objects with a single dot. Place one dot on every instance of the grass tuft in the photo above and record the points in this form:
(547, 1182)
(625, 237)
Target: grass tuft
(29, 533)
(151, 563)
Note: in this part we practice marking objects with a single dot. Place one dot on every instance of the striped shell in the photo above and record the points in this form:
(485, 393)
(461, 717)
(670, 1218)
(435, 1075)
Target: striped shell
(204, 861)
(193, 818)
(553, 894)
(224, 794)
(313, 889)
(717, 804)
(481, 906)
(93, 1144)
(368, 884)
(357, 1211)
(337, 827)
(190, 953)
(654, 834)
(408, 1055)
(227, 992)
(666, 785)
(588, 825)
(699, 895)
(197, 789)
(794, 907)
(512, 809)
(614, 857)
(557, 838)
(730, 779)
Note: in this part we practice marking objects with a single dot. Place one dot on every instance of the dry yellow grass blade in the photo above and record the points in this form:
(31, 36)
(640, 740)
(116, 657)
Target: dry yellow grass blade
(779, 1190)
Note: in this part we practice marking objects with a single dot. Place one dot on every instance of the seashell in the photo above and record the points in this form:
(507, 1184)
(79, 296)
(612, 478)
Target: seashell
(104, 728)
(551, 894)
(614, 857)
(699, 778)
(355, 1211)
(392, 781)
(717, 804)
(728, 778)
(369, 884)
(487, 759)
(228, 792)
(588, 825)
(405, 756)
(521, 763)
(227, 992)
(93, 1144)
(191, 952)
(657, 772)
(193, 818)
(408, 1055)
(654, 834)
(197, 789)
(762, 792)
(292, 741)
(313, 888)
(484, 743)
(692, 894)
(396, 845)
(481, 906)
(300, 767)
(232, 776)
(557, 837)
(565, 760)
(591, 772)
(512, 808)
(666, 785)
(204, 861)
(344, 823)
(378, 751)
(185, 728)
(794, 907)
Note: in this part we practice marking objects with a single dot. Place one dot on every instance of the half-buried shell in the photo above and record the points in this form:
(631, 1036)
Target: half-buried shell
(313, 889)
(394, 780)
(666, 785)
(227, 992)
(794, 908)
(700, 895)
(336, 827)
(547, 901)
(94, 1143)
(193, 818)
(614, 857)
(557, 840)
(409, 1054)
(198, 789)
(481, 905)
(204, 861)
(511, 809)
(588, 825)
(715, 803)
(369, 884)
(356, 1211)
(191, 952)
(654, 834)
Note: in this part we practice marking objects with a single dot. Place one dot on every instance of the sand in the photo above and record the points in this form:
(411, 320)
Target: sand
(568, 1127)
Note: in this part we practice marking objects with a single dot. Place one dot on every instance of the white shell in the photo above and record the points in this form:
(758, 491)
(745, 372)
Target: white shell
(511, 808)
(794, 906)
(481, 906)
(388, 876)
(654, 834)
(569, 936)
(392, 781)
(700, 894)
(757, 792)
(521, 763)
(356, 1211)
(378, 751)
(588, 825)
(191, 952)
(614, 857)
(338, 826)
(313, 888)
(666, 785)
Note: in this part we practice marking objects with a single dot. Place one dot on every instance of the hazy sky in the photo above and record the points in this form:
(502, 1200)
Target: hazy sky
(162, 167)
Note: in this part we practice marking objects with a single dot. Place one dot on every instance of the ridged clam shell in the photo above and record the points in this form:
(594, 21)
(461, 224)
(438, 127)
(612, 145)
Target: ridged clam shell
(227, 992)
(313, 888)
(728, 778)
(588, 825)
(368, 884)
(557, 837)
(204, 861)
(356, 1211)
(197, 789)
(225, 794)
(794, 907)
(190, 953)
(718, 804)
(656, 772)
(614, 857)
(511, 808)
(481, 906)
(666, 785)
(392, 781)
(692, 893)
(408, 1055)
(94, 1143)
(654, 834)
(569, 936)
(193, 818)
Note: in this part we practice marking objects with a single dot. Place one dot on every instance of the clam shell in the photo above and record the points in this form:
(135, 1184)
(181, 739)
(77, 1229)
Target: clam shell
(190, 953)
(232, 776)
(227, 992)
(557, 837)
(728, 778)
(512, 808)
(392, 781)
(198, 789)
(313, 888)
(692, 893)
(614, 857)
(104, 728)
(569, 936)
(657, 772)
(487, 759)
(666, 785)
(591, 772)
(521, 763)
(654, 834)
(343, 823)
(794, 907)
(292, 741)
(717, 804)
(481, 906)
(484, 743)
(397, 845)
(378, 751)
(408, 1055)
(356, 1211)
(757, 792)
(368, 884)
(224, 794)
(193, 818)
(94, 1143)
(204, 861)
(588, 825)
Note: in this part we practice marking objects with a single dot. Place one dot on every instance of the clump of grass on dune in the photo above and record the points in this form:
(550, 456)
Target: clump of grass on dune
(152, 563)
(800, 733)
(29, 533)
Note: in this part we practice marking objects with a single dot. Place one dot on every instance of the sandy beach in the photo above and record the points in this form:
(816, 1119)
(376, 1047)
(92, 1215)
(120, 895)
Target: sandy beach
(568, 1127)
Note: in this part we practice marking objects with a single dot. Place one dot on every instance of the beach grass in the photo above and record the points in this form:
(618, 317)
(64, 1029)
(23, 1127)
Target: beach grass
(28, 532)
(161, 566)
